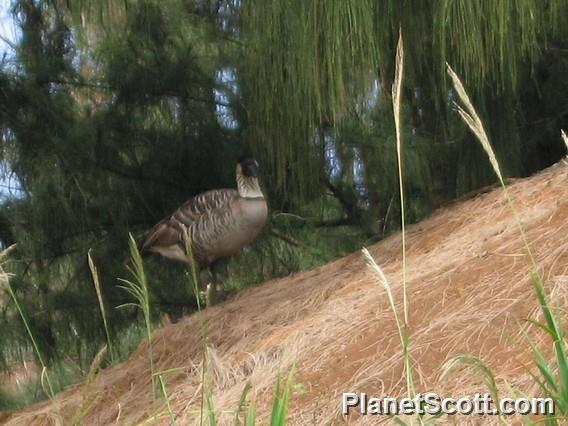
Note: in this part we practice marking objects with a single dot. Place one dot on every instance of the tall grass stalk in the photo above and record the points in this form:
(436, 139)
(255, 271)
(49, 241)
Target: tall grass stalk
(382, 279)
(97, 284)
(5, 278)
(192, 268)
(138, 288)
(556, 388)
(474, 363)
(471, 118)
(167, 399)
(402, 326)
(281, 396)
(87, 403)
(242, 401)
(565, 139)
(206, 396)
(396, 101)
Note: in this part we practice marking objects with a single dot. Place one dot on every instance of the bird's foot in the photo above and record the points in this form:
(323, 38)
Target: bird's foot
(213, 294)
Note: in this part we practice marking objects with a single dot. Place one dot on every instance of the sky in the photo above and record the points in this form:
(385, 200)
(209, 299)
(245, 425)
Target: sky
(9, 186)
(7, 28)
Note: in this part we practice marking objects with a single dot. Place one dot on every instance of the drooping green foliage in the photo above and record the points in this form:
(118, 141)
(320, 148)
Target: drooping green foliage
(305, 65)
(312, 63)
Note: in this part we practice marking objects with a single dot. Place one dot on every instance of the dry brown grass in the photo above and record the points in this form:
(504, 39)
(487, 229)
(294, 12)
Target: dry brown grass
(469, 292)
(19, 376)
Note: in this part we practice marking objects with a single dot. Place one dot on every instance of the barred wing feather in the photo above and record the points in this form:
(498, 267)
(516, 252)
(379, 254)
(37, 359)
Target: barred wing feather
(200, 208)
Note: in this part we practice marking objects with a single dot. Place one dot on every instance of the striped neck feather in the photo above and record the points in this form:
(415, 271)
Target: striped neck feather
(249, 187)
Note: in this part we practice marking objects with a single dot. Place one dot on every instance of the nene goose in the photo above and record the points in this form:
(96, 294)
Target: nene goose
(219, 222)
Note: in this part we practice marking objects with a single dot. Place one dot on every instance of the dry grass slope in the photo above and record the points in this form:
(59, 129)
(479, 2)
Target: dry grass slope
(469, 292)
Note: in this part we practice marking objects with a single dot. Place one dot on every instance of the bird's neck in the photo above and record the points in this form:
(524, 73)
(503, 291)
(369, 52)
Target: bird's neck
(249, 187)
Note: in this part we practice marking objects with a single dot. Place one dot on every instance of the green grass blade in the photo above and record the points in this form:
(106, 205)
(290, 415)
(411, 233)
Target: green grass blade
(242, 401)
(210, 408)
(167, 399)
(282, 400)
(5, 277)
(98, 290)
(138, 288)
(251, 414)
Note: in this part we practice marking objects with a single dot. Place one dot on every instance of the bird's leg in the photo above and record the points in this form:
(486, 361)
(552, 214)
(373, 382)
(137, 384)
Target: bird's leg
(215, 290)
(205, 279)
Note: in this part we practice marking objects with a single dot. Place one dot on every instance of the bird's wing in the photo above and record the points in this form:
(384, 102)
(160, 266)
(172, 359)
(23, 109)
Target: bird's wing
(205, 203)
(170, 230)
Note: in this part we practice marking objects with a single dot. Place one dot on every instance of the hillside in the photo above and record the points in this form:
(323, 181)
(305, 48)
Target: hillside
(469, 293)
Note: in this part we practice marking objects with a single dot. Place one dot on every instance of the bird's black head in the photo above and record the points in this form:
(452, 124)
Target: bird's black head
(249, 167)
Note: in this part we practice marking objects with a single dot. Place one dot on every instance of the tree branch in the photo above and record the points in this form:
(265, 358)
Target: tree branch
(285, 237)
(103, 86)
